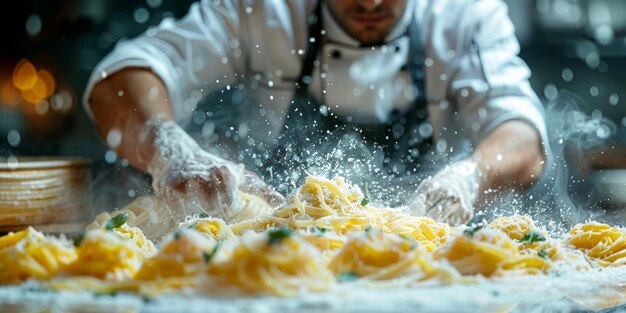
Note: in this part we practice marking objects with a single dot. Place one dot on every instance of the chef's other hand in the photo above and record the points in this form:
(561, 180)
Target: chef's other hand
(449, 195)
(192, 180)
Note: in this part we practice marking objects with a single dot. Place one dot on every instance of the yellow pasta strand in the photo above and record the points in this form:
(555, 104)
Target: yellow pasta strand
(515, 226)
(326, 203)
(603, 244)
(423, 229)
(134, 235)
(324, 234)
(213, 228)
(482, 252)
(30, 254)
(106, 255)
(259, 266)
(379, 256)
(183, 254)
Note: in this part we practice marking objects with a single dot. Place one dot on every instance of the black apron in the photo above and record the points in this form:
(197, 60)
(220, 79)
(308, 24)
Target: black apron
(312, 131)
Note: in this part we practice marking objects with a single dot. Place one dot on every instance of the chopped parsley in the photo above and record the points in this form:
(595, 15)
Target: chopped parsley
(347, 276)
(278, 234)
(532, 236)
(543, 254)
(367, 197)
(178, 234)
(147, 299)
(319, 230)
(112, 293)
(36, 289)
(116, 221)
(208, 256)
(412, 242)
(470, 231)
(203, 215)
(78, 240)
(369, 229)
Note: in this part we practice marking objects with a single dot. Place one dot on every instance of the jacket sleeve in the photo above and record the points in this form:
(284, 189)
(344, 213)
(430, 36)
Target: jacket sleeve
(490, 82)
(193, 56)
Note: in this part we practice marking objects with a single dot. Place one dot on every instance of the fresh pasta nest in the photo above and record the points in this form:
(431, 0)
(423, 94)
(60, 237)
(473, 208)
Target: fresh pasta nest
(327, 235)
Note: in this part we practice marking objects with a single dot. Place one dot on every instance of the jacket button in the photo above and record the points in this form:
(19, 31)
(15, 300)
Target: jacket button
(394, 114)
(336, 54)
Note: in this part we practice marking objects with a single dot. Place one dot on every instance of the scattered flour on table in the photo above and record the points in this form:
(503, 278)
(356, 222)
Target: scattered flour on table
(565, 293)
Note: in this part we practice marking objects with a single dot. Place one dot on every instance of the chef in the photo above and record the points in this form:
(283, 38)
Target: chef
(411, 78)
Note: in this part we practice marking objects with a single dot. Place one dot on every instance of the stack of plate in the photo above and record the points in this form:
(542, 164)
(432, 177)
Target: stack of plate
(48, 193)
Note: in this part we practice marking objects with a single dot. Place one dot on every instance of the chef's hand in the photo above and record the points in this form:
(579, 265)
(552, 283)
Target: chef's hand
(449, 196)
(192, 180)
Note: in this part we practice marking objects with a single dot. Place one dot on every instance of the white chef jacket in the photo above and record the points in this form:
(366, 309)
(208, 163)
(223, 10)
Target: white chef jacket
(474, 79)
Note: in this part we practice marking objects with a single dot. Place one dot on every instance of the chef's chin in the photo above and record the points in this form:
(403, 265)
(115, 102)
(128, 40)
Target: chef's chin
(370, 37)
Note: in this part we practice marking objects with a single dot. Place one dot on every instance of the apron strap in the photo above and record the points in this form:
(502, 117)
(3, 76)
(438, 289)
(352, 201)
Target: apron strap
(313, 47)
(416, 62)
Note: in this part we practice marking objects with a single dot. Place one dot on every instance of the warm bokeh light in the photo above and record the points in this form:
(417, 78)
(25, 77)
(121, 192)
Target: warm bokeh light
(35, 85)
(45, 84)
(30, 96)
(39, 89)
(24, 75)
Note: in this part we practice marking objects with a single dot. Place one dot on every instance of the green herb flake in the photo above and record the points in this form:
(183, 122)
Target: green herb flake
(470, 231)
(36, 289)
(203, 215)
(112, 293)
(178, 234)
(367, 197)
(369, 229)
(209, 256)
(319, 230)
(278, 234)
(532, 236)
(543, 254)
(78, 240)
(412, 242)
(116, 221)
(347, 276)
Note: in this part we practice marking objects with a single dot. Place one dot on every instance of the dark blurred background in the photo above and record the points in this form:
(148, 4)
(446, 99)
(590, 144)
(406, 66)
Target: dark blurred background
(574, 47)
